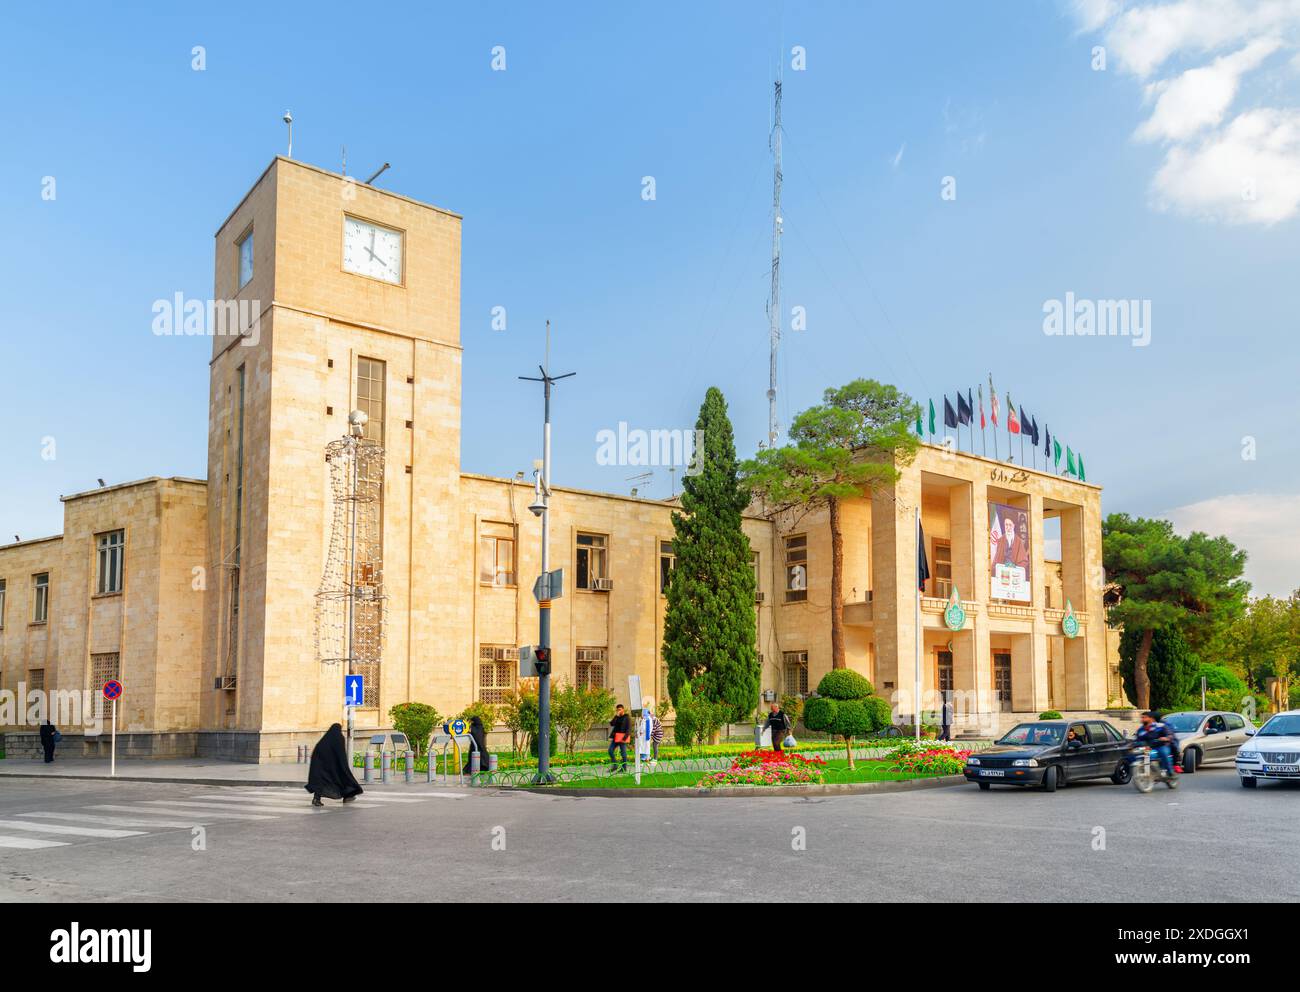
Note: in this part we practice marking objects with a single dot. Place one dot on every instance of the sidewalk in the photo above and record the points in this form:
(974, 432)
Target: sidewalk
(178, 770)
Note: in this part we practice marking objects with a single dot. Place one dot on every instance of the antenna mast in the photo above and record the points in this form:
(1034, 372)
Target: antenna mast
(774, 299)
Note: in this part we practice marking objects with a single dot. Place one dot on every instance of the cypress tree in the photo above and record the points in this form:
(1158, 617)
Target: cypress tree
(709, 628)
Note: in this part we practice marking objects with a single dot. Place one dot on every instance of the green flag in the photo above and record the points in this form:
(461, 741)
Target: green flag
(1069, 461)
(1082, 477)
(932, 417)
(1056, 453)
(919, 431)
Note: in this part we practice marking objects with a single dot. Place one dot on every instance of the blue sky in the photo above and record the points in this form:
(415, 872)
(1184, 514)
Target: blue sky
(1068, 179)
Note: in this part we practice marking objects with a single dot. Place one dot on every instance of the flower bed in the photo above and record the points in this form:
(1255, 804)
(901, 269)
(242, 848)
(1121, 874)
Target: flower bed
(768, 768)
(930, 761)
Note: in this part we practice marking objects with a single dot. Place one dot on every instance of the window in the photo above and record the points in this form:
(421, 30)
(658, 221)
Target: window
(667, 562)
(1216, 725)
(945, 671)
(591, 668)
(36, 679)
(497, 665)
(245, 258)
(753, 563)
(41, 597)
(369, 672)
(1235, 721)
(497, 555)
(104, 667)
(370, 397)
(796, 568)
(1100, 733)
(942, 574)
(591, 560)
(796, 673)
(2, 604)
(110, 548)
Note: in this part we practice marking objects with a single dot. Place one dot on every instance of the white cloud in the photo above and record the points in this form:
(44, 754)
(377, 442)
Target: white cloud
(1201, 96)
(1265, 526)
(1222, 162)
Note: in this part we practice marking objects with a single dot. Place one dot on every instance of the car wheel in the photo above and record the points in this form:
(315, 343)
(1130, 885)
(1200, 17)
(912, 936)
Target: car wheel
(984, 786)
(1249, 783)
(1122, 773)
(1191, 759)
(1050, 778)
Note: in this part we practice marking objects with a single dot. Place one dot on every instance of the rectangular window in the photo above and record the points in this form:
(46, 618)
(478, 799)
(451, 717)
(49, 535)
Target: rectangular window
(104, 667)
(111, 548)
(944, 679)
(667, 562)
(370, 397)
(496, 554)
(2, 604)
(36, 679)
(796, 673)
(41, 597)
(245, 258)
(369, 672)
(590, 672)
(941, 579)
(591, 560)
(497, 666)
(796, 568)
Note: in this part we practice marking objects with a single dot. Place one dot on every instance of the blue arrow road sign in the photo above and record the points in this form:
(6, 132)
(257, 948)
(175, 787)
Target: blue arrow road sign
(353, 690)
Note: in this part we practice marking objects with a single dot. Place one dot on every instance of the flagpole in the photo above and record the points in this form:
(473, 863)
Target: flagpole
(916, 677)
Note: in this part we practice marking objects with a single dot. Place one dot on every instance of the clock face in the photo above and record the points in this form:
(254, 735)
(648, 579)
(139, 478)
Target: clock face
(371, 250)
(245, 260)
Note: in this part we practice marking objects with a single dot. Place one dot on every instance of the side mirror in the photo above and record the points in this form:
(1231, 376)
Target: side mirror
(1250, 733)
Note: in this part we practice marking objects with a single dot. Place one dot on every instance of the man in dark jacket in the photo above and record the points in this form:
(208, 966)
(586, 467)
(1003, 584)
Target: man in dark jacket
(620, 732)
(779, 724)
(48, 731)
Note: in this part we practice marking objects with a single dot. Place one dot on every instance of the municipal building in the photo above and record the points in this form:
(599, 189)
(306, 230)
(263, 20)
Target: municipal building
(201, 596)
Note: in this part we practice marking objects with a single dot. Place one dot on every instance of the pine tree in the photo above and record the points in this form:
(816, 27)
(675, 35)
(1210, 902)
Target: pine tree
(709, 628)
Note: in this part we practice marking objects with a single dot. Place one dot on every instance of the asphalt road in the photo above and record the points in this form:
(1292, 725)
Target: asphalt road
(1209, 840)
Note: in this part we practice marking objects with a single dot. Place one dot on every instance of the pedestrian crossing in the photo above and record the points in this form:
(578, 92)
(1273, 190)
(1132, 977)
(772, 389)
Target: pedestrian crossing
(39, 830)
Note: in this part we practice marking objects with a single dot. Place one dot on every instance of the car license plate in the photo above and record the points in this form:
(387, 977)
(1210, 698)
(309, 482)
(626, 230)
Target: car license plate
(1281, 769)
(992, 773)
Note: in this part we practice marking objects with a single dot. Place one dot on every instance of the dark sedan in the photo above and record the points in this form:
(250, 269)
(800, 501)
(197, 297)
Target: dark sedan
(1050, 754)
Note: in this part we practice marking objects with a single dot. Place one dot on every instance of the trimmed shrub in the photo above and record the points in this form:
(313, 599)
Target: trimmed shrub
(1049, 715)
(844, 683)
(416, 721)
(819, 712)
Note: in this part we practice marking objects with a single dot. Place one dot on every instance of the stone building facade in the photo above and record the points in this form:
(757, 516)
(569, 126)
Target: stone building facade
(200, 596)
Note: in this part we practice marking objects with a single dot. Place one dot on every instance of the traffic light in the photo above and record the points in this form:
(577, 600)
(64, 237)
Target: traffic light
(543, 661)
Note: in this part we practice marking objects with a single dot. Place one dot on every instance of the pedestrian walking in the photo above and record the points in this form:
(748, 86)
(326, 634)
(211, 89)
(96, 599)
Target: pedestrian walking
(479, 737)
(779, 723)
(620, 732)
(656, 735)
(49, 737)
(329, 774)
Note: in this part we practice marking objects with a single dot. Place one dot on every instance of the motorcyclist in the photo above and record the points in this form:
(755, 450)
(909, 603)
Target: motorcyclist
(1157, 735)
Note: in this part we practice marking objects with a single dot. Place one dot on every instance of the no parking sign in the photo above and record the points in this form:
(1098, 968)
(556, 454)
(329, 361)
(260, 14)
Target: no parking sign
(113, 691)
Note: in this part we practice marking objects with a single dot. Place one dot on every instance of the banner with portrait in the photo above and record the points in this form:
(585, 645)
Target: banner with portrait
(1009, 555)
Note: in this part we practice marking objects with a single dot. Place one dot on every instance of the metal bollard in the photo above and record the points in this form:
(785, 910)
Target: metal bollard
(492, 762)
(367, 767)
(430, 765)
(410, 766)
(475, 763)
(385, 765)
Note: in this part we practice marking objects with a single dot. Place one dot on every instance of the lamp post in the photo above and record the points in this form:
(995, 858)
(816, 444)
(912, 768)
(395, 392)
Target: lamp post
(541, 507)
(356, 430)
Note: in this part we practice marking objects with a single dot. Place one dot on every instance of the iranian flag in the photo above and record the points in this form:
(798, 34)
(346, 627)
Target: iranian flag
(1013, 424)
(993, 401)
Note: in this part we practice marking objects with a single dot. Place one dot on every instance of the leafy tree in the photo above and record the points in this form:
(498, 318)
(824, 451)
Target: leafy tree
(846, 705)
(484, 711)
(854, 442)
(416, 721)
(709, 626)
(512, 716)
(1164, 580)
(576, 709)
(1172, 667)
(1264, 642)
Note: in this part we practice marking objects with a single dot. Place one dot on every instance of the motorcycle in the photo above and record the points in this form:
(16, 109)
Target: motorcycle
(1147, 770)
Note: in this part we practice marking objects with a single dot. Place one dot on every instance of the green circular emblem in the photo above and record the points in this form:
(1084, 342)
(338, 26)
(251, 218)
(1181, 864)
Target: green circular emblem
(954, 616)
(1069, 623)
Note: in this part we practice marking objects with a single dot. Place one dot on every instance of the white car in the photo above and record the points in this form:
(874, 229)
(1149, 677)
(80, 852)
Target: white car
(1273, 752)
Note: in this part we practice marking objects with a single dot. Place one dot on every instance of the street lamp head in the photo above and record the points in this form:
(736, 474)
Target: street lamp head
(357, 421)
(537, 507)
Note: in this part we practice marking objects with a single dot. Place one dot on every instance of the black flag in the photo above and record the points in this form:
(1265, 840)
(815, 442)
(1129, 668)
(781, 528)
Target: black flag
(922, 563)
(1033, 430)
(964, 410)
(949, 414)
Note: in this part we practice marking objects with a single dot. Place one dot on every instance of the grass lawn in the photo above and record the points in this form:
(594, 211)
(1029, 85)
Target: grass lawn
(836, 772)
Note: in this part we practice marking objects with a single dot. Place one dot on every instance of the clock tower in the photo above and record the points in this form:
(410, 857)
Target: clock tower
(349, 299)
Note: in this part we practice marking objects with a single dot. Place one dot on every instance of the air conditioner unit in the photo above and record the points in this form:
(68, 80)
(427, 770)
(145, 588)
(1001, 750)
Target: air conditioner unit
(225, 682)
(602, 585)
(758, 597)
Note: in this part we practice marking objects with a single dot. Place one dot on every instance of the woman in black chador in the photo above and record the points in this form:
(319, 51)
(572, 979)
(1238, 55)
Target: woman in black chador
(329, 774)
(480, 743)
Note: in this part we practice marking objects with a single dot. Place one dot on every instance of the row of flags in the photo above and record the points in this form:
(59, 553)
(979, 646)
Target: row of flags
(1022, 424)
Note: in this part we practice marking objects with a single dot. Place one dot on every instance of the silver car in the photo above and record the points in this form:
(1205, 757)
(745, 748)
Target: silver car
(1207, 737)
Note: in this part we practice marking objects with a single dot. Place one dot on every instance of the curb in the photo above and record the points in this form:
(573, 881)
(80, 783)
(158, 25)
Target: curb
(166, 780)
(746, 791)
